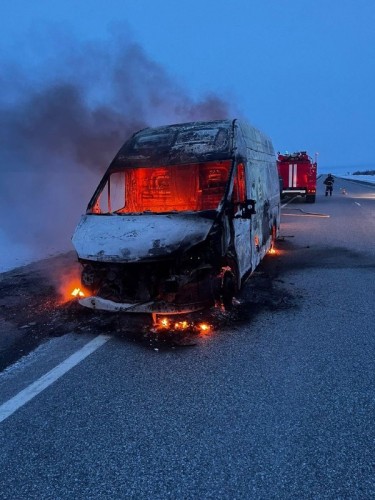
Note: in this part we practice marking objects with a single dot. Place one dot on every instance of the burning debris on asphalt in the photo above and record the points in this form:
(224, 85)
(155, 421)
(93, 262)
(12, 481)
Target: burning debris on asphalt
(34, 306)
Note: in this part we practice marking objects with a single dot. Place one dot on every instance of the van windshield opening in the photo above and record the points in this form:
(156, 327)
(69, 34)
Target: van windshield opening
(161, 189)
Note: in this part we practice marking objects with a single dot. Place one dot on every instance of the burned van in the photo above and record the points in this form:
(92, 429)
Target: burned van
(182, 217)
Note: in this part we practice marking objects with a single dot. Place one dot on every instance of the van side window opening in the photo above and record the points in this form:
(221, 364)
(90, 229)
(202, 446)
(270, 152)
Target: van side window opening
(191, 187)
(112, 197)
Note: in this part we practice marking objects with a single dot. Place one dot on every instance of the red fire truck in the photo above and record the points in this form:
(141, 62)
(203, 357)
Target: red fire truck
(297, 173)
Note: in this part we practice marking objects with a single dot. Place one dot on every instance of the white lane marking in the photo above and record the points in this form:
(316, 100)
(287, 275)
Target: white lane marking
(309, 215)
(23, 397)
(356, 202)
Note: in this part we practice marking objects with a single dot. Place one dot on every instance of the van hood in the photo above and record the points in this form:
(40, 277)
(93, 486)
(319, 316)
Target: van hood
(124, 239)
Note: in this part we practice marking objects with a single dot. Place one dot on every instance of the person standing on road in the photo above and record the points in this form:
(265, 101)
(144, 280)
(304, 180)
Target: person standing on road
(329, 184)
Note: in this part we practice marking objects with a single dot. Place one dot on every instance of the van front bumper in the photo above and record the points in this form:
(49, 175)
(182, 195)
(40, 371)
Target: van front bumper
(140, 307)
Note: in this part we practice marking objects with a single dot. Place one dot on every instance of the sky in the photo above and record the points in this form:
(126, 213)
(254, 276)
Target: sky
(78, 77)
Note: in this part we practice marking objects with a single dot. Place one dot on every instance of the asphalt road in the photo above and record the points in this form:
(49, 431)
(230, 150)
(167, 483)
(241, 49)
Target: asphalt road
(278, 403)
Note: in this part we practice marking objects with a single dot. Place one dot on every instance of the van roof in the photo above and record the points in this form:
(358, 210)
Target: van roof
(178, 143)
(191, 142)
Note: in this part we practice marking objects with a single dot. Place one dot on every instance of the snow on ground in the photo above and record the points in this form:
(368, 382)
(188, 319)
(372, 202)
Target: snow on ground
(14, 254)
(362, 178)
(346, 174)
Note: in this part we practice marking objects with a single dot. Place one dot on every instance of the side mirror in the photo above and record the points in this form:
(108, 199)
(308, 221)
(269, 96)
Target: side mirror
(245, 209)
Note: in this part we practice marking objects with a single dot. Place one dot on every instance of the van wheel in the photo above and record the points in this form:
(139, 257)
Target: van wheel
(228, 290)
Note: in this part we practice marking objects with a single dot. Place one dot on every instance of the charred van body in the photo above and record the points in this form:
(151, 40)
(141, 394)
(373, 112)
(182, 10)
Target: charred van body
(183, 215)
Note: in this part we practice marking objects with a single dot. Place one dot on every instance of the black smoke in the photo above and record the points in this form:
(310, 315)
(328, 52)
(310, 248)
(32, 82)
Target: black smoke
(62, 122)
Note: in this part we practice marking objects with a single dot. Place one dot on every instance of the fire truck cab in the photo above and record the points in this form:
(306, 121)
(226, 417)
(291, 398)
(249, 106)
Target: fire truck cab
(297, 174)
(183, 215)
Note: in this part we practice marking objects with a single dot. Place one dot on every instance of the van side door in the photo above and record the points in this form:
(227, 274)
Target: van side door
(241, 225)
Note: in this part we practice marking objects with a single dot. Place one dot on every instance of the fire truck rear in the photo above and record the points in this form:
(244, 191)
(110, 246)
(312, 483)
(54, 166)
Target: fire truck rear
(297, 174)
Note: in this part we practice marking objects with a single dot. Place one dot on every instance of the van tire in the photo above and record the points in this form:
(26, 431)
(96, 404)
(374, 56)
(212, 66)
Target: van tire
(228, 290)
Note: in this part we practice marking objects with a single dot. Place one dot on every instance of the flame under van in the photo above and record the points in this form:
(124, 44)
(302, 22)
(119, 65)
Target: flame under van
(182, 217)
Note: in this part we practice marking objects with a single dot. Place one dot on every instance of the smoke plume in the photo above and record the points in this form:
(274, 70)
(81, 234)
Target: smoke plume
(62, 123)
